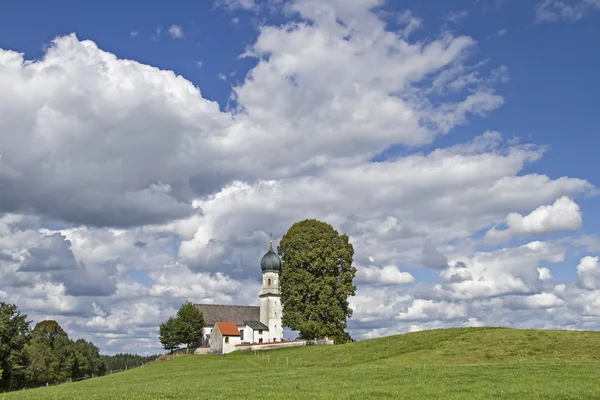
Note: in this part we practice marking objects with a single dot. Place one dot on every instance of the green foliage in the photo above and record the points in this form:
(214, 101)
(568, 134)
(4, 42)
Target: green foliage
(316, 280)
(14, 336)
(87, 361)
(185, 328)
(42, 355)
(55, 358)
(168, 334)
(438, 364)
(192, 324)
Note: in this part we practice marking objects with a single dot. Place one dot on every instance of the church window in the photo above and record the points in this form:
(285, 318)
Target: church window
(241, 334)
(260, 331)
(260, 340)
(226, 339)
(269, 282)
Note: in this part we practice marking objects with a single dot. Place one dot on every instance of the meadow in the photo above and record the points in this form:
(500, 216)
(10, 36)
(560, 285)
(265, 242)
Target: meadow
(460, 363)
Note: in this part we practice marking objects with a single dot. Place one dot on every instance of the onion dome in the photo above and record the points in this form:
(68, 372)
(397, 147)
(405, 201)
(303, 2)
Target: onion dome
(270, 261)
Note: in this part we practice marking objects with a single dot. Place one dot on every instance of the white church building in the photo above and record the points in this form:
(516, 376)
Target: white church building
(230, 328)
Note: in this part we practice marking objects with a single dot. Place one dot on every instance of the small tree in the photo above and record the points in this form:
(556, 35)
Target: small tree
(168, 334)
(191, 326)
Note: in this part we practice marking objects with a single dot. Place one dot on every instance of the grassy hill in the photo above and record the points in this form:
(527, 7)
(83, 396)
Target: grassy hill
(462, 363)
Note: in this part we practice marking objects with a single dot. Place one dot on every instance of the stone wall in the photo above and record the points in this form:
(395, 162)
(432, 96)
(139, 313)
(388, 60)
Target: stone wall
(202, 350)
(271, 345)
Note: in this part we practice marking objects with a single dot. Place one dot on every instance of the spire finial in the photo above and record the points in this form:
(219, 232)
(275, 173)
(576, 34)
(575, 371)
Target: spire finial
(271, 236)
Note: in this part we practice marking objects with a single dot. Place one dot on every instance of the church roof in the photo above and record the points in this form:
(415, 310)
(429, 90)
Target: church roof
(270, 261)
(228, 328)
(257, 325)
(237, 314)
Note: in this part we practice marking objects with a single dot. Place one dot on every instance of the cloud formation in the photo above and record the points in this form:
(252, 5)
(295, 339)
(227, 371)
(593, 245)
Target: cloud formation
(563, 215)
(131, 193)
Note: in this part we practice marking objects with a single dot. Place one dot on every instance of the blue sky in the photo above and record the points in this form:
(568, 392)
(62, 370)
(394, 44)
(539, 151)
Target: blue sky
(538, 56)
(560, 114)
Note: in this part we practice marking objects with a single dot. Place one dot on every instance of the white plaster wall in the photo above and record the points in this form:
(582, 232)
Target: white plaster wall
(264, 310)
(270, 282)
(229, 347)
(274, 324)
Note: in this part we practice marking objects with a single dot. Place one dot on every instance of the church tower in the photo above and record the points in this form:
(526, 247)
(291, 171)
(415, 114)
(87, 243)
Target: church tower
(271, 310)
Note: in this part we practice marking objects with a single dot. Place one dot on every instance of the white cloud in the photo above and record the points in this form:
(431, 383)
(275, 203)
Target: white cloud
(506, 271)
(425, 310)
(176, 32)
(501, 32)
(388, 275)
(588, 271)
(564, 214)
(569, 10)
(544, 273)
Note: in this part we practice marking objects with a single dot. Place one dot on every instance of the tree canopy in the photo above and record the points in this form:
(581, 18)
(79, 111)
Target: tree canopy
(14, 336)
(316, 280)
(45, 354)
(185, 328)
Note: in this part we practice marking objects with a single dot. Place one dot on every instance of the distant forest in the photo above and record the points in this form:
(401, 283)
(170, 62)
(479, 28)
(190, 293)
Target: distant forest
(46, 355)
(125, 361)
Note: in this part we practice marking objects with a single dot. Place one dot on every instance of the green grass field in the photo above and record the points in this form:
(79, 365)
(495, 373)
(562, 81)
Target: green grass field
(469, 363)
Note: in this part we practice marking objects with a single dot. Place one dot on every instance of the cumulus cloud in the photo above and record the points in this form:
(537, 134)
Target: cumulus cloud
(563, 214)
(588, 271)
(388, 275)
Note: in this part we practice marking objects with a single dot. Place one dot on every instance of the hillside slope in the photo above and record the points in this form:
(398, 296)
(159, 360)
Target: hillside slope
(456, 346)
(447, 363)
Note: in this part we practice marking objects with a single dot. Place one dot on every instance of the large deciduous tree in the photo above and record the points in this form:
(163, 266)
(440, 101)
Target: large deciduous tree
(14, 336)
(317, 280)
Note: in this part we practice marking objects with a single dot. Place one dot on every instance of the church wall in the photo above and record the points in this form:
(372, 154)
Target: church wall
(270, 282)
(229, 345)
(264, 310)
(254, 335)
(270, 346)
(274, 324)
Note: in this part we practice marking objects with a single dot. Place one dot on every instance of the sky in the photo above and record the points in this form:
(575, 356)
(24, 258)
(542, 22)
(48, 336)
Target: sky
(146, 154)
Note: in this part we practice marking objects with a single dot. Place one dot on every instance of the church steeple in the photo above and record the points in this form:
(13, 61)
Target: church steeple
(270, 261)
(271, 309)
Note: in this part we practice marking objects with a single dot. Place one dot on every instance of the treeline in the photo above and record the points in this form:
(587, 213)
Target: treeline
(46, 355)
(123, 361)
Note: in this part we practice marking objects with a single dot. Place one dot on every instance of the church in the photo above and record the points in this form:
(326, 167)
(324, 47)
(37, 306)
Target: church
(230, 326)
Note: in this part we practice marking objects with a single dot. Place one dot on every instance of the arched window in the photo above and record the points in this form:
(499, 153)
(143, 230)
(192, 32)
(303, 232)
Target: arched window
(269, 282)
(226, 339)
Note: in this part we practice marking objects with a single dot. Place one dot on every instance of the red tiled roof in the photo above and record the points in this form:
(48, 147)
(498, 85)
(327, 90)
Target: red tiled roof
(228, 328)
